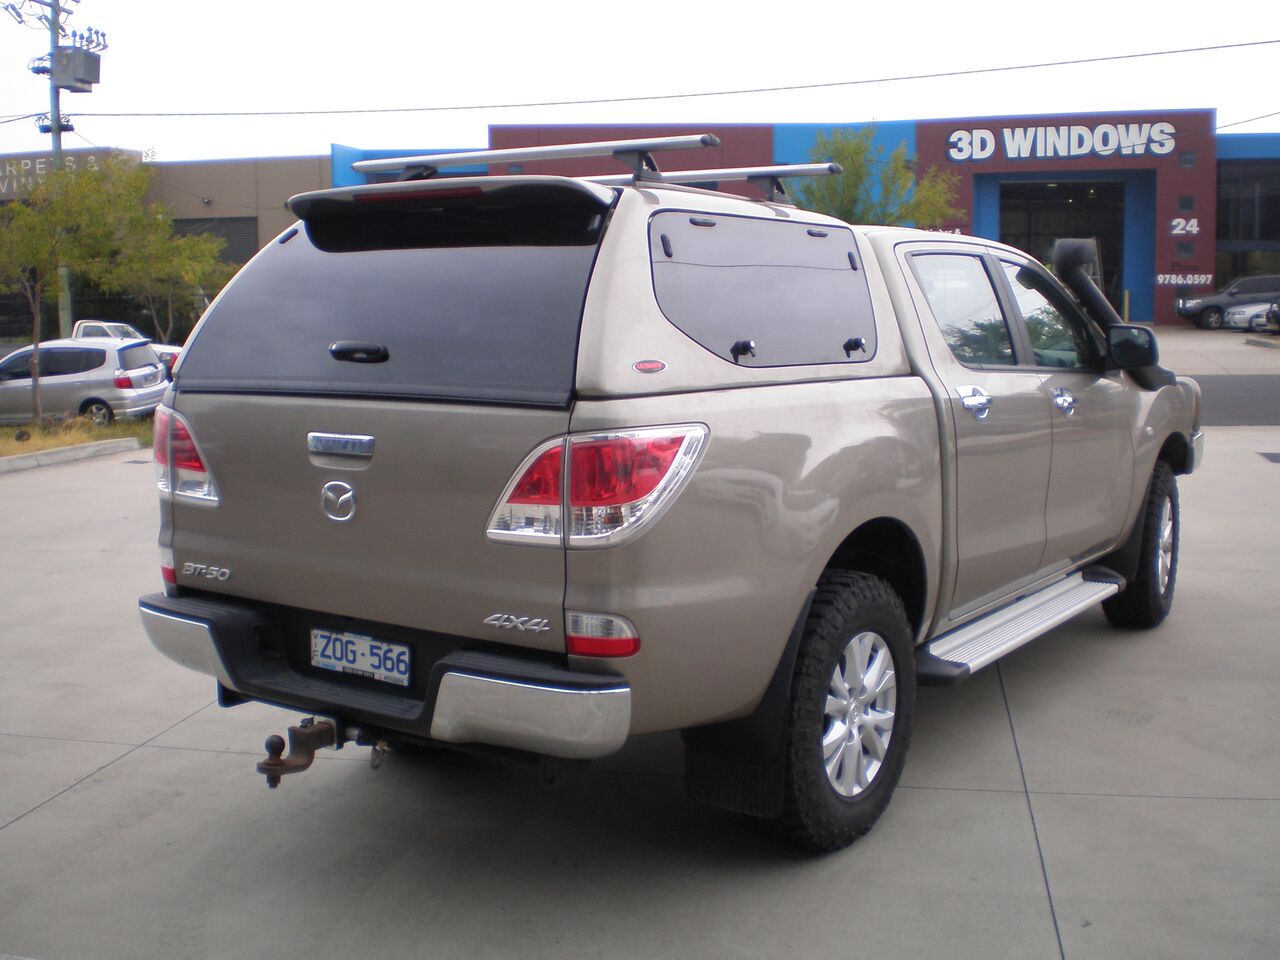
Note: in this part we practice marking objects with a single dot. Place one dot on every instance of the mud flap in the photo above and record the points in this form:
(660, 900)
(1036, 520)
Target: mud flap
(741, 765)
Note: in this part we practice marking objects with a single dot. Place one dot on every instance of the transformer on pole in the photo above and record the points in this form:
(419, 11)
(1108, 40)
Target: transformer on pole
(74, 66)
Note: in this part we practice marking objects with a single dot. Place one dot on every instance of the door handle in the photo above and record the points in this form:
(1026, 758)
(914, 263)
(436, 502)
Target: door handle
(976, 400)
(1064, 401)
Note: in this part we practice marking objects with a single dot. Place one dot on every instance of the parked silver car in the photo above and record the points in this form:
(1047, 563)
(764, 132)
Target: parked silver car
(106, 379)
(1258, 317)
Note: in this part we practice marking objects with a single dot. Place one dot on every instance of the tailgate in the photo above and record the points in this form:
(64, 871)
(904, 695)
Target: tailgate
(412, 552)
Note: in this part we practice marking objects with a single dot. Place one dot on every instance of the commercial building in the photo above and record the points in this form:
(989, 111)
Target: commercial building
(1175, 207)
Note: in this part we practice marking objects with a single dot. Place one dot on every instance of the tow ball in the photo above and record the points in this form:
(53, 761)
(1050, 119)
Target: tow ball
(304, 740)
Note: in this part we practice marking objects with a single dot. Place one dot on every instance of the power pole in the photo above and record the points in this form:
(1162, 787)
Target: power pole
(74, 67)
(65, 320)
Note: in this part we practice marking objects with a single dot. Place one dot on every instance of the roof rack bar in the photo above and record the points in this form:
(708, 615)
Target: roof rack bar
(633, 152)
(768, 179)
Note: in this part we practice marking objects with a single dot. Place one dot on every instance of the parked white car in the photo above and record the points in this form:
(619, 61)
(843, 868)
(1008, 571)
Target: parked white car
(91, 329)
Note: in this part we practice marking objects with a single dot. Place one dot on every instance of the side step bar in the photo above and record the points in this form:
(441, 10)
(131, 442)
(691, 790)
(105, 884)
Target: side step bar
(959, 653)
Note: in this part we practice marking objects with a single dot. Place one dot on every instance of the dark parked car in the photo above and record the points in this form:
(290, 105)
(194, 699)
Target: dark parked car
(1208, 311)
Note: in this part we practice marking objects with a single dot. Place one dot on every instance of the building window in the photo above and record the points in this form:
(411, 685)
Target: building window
(241, 234)
(1187, 159)
(1186, 204)
(1249, 200)
(1184, 248)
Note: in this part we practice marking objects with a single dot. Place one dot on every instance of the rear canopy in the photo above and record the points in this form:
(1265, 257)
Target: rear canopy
(473, 290)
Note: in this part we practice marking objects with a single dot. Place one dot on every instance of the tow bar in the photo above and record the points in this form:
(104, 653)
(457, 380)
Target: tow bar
(304, 740)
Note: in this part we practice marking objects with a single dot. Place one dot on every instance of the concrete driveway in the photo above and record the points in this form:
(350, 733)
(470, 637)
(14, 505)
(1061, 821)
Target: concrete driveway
(1098, 794)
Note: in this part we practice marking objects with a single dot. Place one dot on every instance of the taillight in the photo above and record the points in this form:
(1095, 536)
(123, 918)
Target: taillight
(617, 483)
(620, 482)
(122, 380)
(599, 635)
(180, 469)
(529, 509)
(168, 573)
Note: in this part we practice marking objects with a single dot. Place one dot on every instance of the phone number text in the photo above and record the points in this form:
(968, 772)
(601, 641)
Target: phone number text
(1184, 279)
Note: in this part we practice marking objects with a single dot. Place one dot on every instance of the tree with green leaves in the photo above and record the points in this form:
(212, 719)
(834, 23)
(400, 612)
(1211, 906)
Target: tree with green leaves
(169, 273)
(95, 222)
(70, 217)
(875, 188)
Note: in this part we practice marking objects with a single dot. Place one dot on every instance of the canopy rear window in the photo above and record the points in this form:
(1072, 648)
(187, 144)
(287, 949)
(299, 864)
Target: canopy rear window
(763, 293)
(472, 296)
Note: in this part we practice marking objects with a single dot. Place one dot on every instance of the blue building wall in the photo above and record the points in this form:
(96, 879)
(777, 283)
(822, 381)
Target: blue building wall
(792, 142)
(1249, 146)
(342, 157)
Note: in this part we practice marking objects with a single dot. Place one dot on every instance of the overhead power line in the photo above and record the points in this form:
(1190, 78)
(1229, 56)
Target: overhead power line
(686, 96)
(1237, 123)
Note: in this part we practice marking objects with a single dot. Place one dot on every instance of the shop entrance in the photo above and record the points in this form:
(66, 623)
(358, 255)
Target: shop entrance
(1035, 214)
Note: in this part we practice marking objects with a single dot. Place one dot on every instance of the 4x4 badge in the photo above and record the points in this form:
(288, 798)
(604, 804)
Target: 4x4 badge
(506, 621)
(338, 501)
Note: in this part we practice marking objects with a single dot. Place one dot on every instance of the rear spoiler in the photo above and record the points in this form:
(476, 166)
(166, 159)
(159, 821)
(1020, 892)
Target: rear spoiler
(305, 205)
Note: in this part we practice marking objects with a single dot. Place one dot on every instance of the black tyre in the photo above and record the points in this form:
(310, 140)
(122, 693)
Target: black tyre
(1146, 601)
(852, 700)
(98, 411)
(1210, 318)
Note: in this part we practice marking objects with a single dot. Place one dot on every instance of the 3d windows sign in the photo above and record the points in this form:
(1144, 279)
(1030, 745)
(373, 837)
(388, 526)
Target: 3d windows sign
(1028, 143)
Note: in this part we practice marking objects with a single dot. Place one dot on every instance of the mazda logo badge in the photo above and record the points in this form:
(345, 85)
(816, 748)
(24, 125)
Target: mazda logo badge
(338, 501)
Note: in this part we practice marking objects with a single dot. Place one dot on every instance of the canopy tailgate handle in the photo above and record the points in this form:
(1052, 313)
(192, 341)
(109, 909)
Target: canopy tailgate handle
(358, 351)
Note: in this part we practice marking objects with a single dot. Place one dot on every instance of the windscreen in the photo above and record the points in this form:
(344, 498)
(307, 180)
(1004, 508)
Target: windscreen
(476, 296)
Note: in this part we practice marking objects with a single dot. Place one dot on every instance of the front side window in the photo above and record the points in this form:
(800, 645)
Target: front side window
(763, 293)
(17, 367)
(964, 304)
(1057, 339)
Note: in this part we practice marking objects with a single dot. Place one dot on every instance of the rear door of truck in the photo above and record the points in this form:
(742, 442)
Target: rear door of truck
(365, 390)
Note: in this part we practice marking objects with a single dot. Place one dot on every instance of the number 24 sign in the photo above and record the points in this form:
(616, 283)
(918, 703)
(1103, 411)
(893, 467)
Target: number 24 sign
(1180, 226)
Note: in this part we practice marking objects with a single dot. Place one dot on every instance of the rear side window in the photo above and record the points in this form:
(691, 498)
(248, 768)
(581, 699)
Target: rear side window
(1257, 285)
(140, 356)
(795, 292)
(472, 297)
(63, 362)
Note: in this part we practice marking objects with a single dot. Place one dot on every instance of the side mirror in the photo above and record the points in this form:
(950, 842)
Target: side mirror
(1130, 345)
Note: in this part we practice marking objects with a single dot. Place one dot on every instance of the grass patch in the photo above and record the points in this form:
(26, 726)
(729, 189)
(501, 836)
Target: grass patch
(70, 433)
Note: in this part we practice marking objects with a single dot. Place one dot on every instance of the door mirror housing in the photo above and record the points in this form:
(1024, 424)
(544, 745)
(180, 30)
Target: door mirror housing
(1130, 345)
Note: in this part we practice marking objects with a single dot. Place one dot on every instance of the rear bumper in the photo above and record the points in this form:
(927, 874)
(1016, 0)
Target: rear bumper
(136, 403)
(467, 696)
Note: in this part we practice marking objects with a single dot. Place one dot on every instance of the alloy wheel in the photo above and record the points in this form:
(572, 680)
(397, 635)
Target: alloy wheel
(861, 700)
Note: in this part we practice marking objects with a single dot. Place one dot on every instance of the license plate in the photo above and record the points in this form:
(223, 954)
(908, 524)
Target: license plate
(360, 655)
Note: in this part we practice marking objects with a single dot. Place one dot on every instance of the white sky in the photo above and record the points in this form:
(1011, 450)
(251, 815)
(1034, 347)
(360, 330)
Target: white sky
(292, 55)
